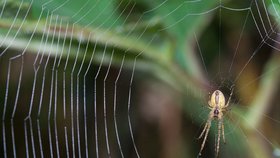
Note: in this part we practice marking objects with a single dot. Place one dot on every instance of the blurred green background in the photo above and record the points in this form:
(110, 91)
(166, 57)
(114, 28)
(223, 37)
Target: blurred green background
(154, 61)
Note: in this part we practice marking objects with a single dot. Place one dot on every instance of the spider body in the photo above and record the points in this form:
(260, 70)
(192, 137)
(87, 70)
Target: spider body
(217, 105)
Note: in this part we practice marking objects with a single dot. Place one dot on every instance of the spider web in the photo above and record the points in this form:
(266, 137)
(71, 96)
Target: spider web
(240, 62)
(70, 82)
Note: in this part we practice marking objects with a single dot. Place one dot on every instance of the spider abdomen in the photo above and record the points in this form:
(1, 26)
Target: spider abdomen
(217, 99)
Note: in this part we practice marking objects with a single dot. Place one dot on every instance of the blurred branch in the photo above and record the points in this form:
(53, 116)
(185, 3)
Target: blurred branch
(268, 87)
(163, 67)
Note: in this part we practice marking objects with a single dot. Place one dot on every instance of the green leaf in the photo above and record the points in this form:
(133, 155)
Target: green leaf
(181, 19)
(96, 13)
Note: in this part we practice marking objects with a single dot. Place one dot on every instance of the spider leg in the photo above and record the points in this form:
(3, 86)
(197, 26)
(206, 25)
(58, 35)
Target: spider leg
(223, 132)
(215, 144)
(232, 89)
(219, 137)
(206, 131)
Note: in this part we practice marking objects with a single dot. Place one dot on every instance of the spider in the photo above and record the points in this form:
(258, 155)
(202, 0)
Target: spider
(217, 105)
